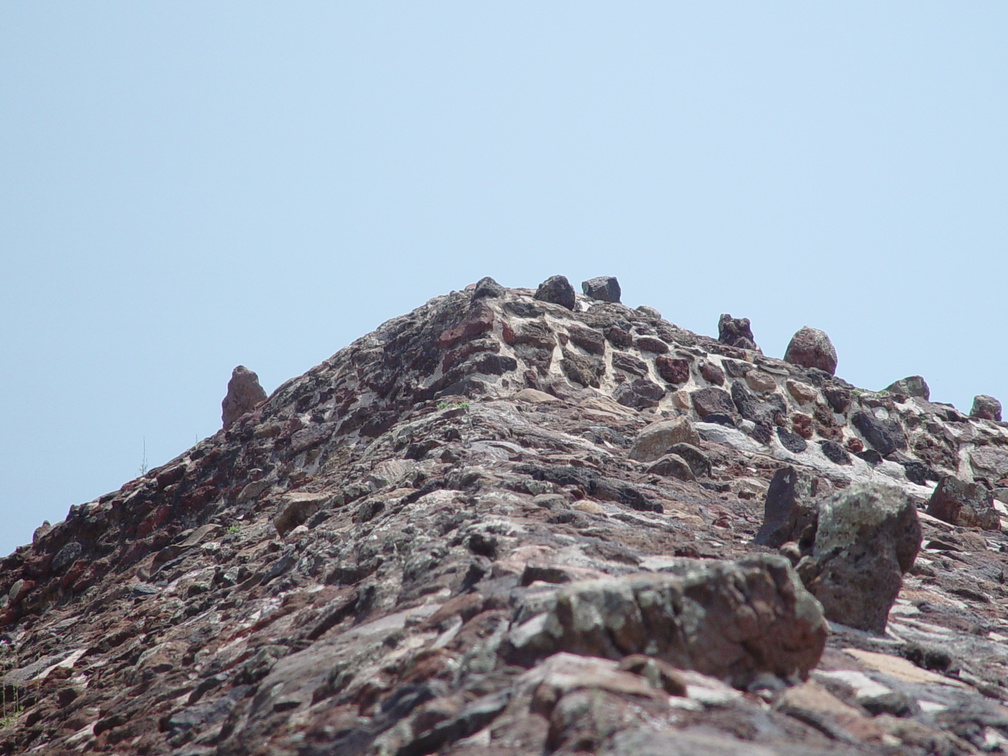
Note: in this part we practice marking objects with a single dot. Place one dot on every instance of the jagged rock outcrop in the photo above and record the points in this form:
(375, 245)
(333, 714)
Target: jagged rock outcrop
(244, 394)
(454, 536)
(603, 288)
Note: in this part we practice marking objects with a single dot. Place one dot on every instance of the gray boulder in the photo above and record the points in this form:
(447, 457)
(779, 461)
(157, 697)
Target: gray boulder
(812, 348)
(868, 536)
(969, 505)
(913, 385)
(243, 395)
(604, 288)
(558, 290)
(986, 408)
(732, 620)
(657, 439)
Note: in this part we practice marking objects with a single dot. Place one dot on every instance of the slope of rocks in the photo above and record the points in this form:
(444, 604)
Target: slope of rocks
(518, 521)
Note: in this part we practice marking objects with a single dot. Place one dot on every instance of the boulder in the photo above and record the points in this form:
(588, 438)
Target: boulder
(990, 461)
(913, 385)
(867, 538)
(789, 509)
(603, 288)
(672, 466)
(699, 462)
(732, 620)
(986, 408)
(965, 504)
(558, 290)
(736, 332)
(243, 395)
(487, 288)
(812, 348)
(657, 439)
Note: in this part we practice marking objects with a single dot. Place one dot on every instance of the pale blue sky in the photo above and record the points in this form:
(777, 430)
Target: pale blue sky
(190, 186)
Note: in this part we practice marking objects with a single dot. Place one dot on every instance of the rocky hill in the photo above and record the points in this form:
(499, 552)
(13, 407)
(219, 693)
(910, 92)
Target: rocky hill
(529, 521)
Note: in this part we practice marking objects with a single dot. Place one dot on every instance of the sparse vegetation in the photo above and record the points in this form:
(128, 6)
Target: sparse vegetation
(9, 710)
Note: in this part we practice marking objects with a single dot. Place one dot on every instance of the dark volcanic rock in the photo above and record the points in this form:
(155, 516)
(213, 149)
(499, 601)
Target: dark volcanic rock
(811, 348)
(867, 538)
(558, 290)
(710, 401)
(604, 288)
(913, 385)
(967, 504)
(789, 509)
(675, 370)
(736, 332)
(639, 393)
(487, 288)
(885, 436)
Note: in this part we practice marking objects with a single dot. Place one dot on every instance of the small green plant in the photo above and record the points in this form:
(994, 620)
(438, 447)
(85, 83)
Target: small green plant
(143, 463)
(10, 710)
(459, 405)
(232, 529)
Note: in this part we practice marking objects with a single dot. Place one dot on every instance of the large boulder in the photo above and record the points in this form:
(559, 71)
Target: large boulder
(969, 505)
(558, 290)
(789, 510)
(732, 620)
(986, 408)
(913, 385)
(604, 288)
(243, 395)
(736, 332)
(812, 348)
(487, 288)
(867, 538)
(657, 439)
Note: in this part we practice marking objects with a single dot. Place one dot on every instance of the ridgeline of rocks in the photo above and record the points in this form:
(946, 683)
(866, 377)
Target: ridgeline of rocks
(531, 521)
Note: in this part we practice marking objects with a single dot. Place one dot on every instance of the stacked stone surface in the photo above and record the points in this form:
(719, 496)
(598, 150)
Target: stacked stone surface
(524, 521)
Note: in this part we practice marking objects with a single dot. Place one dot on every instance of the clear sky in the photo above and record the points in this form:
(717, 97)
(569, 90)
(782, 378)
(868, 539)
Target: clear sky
(189, 186)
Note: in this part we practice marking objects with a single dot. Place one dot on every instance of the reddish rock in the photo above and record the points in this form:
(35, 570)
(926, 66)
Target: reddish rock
(802, 425)
(812, 348)
(243, 395)
(675, 370)
(986, 408)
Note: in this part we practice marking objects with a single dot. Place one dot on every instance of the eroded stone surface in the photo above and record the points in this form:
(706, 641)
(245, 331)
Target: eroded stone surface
(346, 567)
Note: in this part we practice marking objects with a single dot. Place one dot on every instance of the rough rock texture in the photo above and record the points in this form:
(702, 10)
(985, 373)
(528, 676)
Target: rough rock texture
(604, 288)
(732, 620)
(364, 562)
(789, 509)
(812, 348)
(986, 408)
(913, 385)
(558, 290)
(736, 332)
(966, 504)
(867, 537)
(243, 395)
